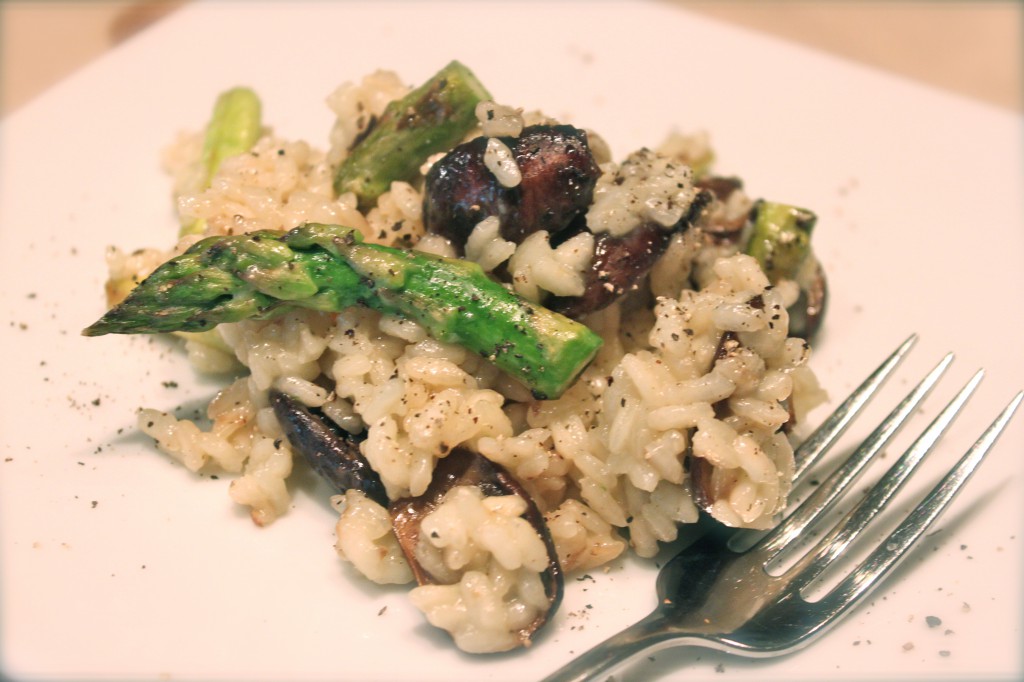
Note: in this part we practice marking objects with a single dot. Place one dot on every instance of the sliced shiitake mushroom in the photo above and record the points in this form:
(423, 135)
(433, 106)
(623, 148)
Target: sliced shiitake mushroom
(710, 484)
(334, 454)
(558, 177)
(331, 451)
(618, 267)
(722, 227)
(463, 467)
(621, 263)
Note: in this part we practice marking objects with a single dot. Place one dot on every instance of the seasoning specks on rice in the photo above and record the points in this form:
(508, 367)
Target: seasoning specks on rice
(686, 404)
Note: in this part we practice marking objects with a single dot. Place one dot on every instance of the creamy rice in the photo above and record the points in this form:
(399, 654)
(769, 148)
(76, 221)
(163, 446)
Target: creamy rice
(697, 363)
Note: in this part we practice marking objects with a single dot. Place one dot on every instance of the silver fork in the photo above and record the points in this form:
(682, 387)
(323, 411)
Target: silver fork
(714, 596)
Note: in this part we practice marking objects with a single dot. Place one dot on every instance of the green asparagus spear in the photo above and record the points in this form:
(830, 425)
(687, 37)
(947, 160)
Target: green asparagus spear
(329, 268)
(430, 119)
(233, 129)
(781, 238)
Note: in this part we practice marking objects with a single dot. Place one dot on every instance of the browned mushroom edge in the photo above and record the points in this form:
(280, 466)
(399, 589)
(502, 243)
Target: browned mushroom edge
(721, 187)
(465, 467)
(700, 469)
(334, 455)
(331, 451)
(558, 178)
(621, 263)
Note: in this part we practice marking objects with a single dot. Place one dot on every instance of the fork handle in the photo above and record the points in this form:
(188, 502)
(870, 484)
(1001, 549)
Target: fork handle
(650, 634)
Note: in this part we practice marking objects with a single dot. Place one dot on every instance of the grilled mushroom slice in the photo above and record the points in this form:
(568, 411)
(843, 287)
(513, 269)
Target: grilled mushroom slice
(335, 456)
(558, 177)
(460, 468)
(708, 482)
(331, 451)
(722, 222)
(621, 263)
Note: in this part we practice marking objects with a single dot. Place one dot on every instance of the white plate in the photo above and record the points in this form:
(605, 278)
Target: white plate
(116, 563)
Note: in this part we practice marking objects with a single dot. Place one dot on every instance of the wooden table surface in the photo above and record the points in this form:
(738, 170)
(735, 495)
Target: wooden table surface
(973, 48)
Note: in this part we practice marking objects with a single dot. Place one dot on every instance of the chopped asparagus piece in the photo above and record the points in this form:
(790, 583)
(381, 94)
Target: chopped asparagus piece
(234, 128)
(326, 267)
(781, 238)
(430, 119)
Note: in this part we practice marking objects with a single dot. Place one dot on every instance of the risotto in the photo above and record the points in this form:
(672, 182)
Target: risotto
(686, 407)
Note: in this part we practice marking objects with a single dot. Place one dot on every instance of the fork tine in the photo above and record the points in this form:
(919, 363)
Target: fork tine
(838, 539)
(835, 425)
(825, 495)
(858, 584)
